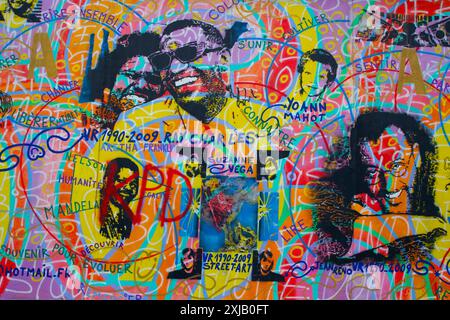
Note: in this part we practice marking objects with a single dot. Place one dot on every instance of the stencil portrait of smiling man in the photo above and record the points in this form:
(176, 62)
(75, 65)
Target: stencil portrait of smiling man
(28, 9)
(193, 54)
(385, 195)
(191, 262)
(317, 69)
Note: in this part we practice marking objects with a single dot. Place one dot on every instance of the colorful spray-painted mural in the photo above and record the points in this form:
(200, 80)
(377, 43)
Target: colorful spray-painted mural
(225, 149)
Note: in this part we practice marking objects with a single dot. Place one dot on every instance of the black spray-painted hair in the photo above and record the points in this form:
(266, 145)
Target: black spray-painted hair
(321, 56)
(129, 46)
(119, 163)
(211, 32)
(369, 126)
(334, 218)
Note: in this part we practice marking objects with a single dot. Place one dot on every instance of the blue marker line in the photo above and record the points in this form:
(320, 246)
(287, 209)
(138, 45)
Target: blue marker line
(439, 107)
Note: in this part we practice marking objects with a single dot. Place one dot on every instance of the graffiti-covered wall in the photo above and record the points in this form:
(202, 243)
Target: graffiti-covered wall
(224, 149)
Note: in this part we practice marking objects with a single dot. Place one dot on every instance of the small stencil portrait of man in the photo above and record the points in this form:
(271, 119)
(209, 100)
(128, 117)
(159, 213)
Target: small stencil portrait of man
(262, 267)
(191, 265)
